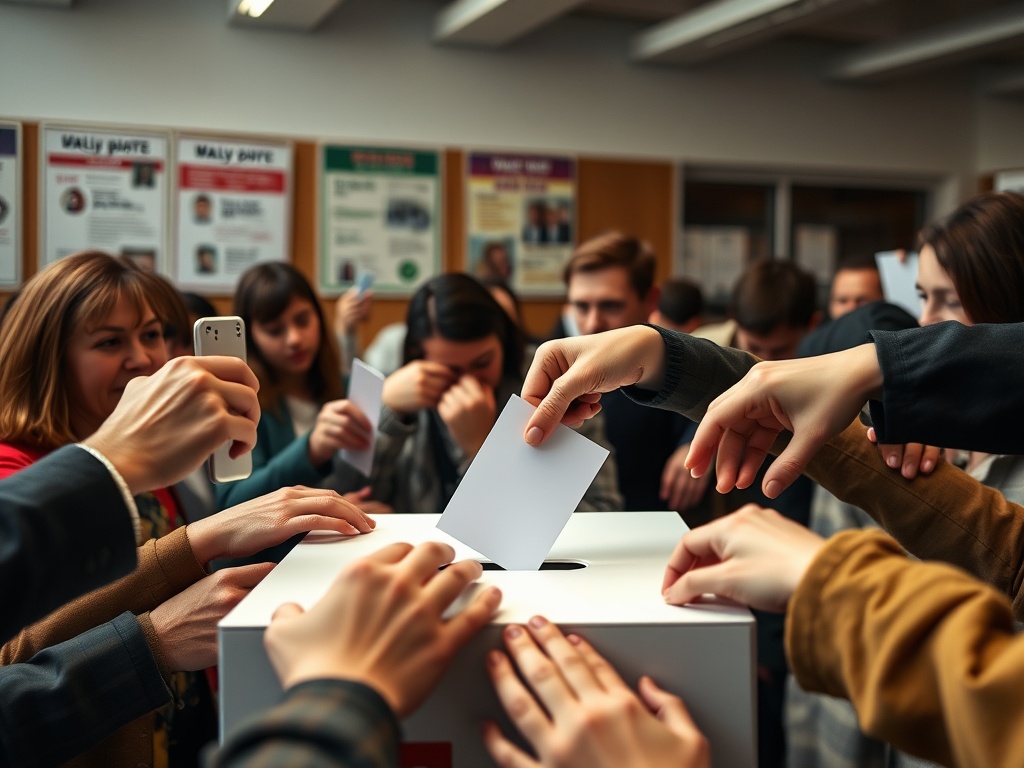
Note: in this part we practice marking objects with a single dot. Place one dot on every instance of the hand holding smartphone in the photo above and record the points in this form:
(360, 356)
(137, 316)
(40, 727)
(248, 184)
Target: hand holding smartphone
(223, 336)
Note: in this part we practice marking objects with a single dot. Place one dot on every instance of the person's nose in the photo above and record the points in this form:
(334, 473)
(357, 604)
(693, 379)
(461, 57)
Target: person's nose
(591, 322)
(139, 356)
(293, 337)
(929, 314)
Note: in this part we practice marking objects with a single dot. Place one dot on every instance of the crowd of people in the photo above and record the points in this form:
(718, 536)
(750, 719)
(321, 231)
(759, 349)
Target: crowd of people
(118, 557)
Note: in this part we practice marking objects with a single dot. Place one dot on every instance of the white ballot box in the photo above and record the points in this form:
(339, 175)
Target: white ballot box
(601, 580)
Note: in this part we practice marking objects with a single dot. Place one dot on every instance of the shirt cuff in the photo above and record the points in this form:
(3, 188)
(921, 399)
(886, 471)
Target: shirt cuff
(122, 486)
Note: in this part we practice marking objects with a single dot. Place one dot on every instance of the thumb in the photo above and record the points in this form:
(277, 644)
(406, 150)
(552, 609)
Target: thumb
(361, 495)
(705, 579)
(788, 466)
(550, 409)
(248, 576)
(287, 611)
(668, 708)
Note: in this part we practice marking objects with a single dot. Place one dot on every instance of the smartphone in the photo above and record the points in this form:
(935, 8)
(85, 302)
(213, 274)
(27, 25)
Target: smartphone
(223, 336)
(363, 283)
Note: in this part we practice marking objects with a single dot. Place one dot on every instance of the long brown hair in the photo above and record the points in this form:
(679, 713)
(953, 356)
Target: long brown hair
(264, 292)
(981, 246)
(79, 291)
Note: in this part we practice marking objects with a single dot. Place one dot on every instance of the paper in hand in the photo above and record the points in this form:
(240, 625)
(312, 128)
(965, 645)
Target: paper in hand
(515, 498)
(366, 390)
(899, 280)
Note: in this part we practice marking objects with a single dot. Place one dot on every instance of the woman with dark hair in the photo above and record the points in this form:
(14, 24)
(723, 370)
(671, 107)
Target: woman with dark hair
(971, 264)
(305, 419)
(463, 359)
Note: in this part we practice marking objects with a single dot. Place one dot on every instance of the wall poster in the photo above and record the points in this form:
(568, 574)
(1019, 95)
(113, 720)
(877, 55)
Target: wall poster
(10, 204)
(380, 215)
(520, 219)
(232, 209)
(104, 189)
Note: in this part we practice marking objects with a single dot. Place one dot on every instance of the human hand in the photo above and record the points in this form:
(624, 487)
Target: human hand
(361, 499)
(339, 424)
(381, 624)
(679, 489)
(167, 424)
(417, 385)
(754, 556)
(252, 526)
(578, 713)
(186, 624)
(350, 310)
(468, 410)
(568, 376)
(814, 397)
(910, 458)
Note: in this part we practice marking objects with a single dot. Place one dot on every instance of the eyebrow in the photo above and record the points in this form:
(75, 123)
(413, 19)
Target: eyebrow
(119, 329)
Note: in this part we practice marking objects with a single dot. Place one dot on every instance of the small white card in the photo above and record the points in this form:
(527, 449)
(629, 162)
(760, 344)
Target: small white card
(515, 498)
(365, 389)
(899, 280)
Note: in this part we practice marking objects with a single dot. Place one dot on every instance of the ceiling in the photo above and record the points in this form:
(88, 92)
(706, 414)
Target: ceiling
(874, 40)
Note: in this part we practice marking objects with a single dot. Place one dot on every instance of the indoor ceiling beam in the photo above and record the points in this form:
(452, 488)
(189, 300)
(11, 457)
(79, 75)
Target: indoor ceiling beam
(494, 23)
(299, 15)
(965, 38)
(723, 26)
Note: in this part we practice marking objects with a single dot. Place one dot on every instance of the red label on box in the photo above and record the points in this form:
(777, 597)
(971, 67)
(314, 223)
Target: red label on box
(425, 754)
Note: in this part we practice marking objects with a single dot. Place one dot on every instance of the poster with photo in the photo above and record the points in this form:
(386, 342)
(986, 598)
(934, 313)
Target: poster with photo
(521, 212)
(380, 215)
(104, 189)
(232, 209)
(10, 204)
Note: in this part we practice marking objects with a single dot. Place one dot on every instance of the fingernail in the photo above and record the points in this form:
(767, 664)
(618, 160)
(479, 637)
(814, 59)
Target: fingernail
(534, 435)
(773, 489)
(514, 632)
(538, 621)
(575, 639)
(493, 659)
(893, 462)
(926, 465)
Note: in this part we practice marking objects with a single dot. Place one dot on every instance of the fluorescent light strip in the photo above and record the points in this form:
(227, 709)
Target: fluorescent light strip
(253, 8)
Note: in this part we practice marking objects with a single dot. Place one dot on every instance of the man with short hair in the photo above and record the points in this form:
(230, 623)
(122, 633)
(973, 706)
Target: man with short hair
(855, 283)
(610, 284)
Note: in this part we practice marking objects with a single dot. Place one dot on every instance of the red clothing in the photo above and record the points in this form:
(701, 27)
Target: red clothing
(14, 457)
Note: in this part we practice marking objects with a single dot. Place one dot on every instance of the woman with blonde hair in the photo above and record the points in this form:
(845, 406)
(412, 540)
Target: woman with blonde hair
(78, 332)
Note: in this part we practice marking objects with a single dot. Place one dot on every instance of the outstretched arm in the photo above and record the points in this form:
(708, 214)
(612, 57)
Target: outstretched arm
(927, 655)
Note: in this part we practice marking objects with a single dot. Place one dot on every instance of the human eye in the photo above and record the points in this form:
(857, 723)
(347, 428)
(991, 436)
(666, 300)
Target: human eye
(107, 342)
(153, 335)
(611, 307)
(482, 363)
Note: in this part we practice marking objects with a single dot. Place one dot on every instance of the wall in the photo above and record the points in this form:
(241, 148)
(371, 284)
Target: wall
(371, 72)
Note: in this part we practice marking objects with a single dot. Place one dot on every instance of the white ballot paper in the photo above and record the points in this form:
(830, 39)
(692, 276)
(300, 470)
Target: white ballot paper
(515, 498)
(899, 280)
(365, 389)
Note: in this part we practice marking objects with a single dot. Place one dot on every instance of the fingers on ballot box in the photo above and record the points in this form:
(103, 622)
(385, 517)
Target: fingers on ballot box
(602, 580)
